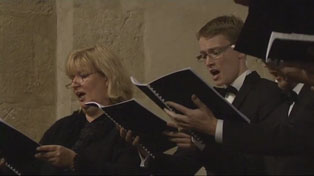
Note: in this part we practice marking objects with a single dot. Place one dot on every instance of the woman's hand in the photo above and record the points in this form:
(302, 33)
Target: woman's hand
(129, 137)
(57, 155)
(133, 140)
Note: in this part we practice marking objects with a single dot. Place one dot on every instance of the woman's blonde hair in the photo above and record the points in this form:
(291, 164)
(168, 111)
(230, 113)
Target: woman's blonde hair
(100, 59)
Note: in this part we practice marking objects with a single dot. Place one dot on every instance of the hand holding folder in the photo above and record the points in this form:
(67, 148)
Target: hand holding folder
(18, 151)
(201, 119)
(179, 86)
(2, 162)
(130, 138)
(133, 116)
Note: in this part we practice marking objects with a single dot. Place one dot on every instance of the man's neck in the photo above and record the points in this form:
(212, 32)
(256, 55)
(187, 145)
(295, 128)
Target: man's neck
(238, 82)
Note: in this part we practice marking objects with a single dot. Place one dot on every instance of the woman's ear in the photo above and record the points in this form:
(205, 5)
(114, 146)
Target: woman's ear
(107, 82)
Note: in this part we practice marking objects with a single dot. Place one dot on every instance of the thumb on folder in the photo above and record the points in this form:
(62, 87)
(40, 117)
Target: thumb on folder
(200, 119)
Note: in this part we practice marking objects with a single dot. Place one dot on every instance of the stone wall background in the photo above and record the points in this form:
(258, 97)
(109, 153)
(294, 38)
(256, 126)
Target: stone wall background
(152, 37)
(27, 64)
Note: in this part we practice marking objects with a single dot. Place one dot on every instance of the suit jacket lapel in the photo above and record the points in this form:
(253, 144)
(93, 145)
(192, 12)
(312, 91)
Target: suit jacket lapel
(248, 84)
(300, 103)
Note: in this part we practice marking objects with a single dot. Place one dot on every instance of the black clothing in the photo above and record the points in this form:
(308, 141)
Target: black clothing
(289, 140)
(98, 144)
(229, 89)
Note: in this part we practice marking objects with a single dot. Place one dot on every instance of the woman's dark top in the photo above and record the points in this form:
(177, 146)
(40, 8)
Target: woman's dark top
(98, 145)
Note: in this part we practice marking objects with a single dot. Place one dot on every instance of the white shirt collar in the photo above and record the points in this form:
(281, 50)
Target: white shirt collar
(298, 88)
(237, 83)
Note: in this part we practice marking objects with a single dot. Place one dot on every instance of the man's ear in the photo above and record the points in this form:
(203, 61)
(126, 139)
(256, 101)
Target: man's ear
(241, 56)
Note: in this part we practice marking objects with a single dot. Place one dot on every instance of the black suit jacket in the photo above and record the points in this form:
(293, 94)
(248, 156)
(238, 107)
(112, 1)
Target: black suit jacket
(274, 131)
(288, 140)
(256, 99)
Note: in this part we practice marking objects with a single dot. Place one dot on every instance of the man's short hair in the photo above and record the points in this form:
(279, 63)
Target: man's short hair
(229, 26)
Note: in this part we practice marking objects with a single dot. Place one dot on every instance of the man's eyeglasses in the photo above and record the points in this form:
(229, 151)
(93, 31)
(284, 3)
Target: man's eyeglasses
(213, 53)
(274, 62)
(80, 78)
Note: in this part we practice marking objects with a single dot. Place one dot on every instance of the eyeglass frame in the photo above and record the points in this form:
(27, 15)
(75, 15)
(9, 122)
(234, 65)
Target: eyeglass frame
(82, 77)
(203, 56)
(274, 62)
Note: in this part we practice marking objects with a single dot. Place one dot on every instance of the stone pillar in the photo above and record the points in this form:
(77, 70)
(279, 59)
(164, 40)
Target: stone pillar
(117, 24)
(27, 64)
(64, 46)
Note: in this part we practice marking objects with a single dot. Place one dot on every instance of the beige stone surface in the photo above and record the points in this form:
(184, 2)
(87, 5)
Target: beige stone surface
(152, 37)
(64, 45)
(27, 64)
(116, 24)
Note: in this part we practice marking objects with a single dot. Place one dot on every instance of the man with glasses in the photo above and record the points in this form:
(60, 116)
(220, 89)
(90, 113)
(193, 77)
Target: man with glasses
(245, 89)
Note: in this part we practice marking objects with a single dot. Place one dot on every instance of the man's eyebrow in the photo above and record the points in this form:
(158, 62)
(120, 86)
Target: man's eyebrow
(216, 47)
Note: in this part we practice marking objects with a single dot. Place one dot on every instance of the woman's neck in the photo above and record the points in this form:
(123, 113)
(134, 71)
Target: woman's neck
(93, 113)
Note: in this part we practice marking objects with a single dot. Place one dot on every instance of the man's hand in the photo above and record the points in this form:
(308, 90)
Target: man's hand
(57, 155)
(200, 119)
(2, 162)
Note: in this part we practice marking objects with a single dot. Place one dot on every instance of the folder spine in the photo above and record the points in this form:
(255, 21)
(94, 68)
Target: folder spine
(192, 133)
(160, 98)
(8, 165)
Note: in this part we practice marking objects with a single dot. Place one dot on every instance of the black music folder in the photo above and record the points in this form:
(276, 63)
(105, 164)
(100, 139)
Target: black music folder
(18, 151)
(265, 16)
(290, 47)
(131, 115)
(179, 86)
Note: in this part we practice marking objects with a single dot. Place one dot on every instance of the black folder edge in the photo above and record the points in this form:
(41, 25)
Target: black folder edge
(275, 36)
(17, 132)
(134, 81)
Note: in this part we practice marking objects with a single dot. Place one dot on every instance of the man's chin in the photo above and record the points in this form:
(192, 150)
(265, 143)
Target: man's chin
(283, 87)
(309, 79)
(219, 83)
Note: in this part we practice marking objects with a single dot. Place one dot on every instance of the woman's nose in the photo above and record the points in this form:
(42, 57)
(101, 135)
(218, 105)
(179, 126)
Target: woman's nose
(76, 81)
